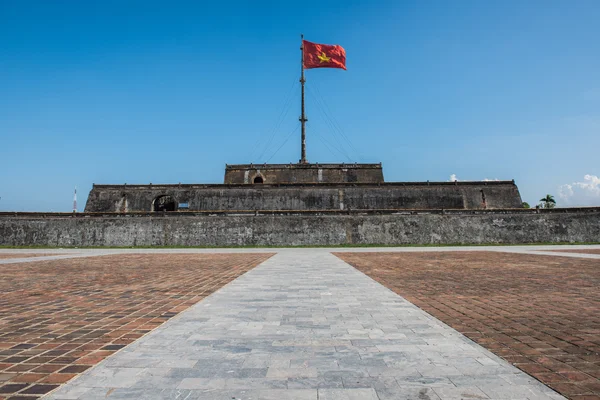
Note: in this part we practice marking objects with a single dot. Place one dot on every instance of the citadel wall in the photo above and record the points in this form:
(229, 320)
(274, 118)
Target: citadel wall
(307, 197)
(309, 228)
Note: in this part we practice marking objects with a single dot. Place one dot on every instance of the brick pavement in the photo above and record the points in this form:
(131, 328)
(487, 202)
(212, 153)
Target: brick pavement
(540, 313)
(58, 318)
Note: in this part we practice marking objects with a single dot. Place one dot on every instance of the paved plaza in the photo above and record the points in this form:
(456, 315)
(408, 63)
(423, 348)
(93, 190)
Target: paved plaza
(540, 313)
(60, 317)
(302, 324)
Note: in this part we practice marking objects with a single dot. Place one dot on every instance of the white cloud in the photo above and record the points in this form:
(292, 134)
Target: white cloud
(586, 193)
(454, 178)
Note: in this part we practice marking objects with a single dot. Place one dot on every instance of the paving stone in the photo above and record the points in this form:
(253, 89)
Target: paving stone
(12, 387)
(202, 383)
(243, 394)
(407, 393)
(256, 383)
(277, 332)
(386, 382)
(69, 392)
(463, 392)
(315, 383)
(288, 394)
(348, 394)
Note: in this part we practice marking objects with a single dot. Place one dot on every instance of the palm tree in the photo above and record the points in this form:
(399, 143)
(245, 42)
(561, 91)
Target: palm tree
(548, 201)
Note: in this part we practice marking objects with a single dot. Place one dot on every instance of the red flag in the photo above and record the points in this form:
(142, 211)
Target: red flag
(323, 55)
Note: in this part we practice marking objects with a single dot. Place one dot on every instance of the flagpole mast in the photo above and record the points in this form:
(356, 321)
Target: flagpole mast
(303, 115)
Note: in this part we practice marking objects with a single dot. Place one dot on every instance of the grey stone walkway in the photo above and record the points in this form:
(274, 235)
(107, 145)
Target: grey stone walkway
(304, 325)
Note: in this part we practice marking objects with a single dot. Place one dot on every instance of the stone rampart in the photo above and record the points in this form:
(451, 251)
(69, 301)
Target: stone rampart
(298, 228)
(307, 197)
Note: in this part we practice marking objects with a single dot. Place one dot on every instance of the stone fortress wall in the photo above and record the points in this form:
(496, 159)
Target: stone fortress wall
(301, 228)
(302, 204)
(306, 197)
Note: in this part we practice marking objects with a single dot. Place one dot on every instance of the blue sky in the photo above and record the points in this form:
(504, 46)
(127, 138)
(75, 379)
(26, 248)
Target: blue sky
(167, 92)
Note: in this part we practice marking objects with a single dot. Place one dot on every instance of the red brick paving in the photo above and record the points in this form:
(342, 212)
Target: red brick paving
(27, 255)
(59, 318)
(541, 313)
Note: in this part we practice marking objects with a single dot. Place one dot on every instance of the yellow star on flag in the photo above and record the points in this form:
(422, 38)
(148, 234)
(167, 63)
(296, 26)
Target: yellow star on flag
(323, 57)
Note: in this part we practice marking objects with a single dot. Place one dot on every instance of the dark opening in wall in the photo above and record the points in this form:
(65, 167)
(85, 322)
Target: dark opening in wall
(164, 203)
(258, 179)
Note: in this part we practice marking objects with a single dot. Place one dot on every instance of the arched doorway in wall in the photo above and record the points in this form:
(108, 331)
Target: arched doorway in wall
(258, 179)
(164, 203)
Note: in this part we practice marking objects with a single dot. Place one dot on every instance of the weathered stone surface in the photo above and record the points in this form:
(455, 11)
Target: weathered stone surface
(467, 227)
(303, 173)
(317, 196)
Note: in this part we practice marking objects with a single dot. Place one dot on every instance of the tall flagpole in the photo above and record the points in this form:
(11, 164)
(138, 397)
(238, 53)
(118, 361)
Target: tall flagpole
(303, 116)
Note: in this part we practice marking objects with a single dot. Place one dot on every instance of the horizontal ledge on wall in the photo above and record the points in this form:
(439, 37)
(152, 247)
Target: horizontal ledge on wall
(497, 211)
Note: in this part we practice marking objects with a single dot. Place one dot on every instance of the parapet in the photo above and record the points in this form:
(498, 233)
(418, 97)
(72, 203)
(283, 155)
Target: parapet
(303, 173)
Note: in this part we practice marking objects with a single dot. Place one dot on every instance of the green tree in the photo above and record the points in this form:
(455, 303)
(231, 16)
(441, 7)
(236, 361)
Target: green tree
(548, 201)
(525, 205)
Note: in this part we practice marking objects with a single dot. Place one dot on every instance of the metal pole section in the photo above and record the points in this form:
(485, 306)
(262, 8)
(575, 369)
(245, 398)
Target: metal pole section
(303, 115)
